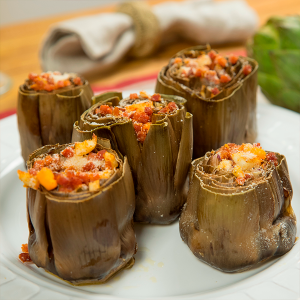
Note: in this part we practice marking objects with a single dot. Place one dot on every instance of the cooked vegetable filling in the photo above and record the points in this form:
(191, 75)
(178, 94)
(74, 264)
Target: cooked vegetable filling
(50, 81)
(76, 168)
(211, 71)
(139, 109)
(244, 162)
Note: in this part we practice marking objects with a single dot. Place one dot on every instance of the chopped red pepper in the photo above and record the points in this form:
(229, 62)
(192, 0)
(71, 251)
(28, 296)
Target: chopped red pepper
(68, 152)
(212, 54)
(233, 59)
(77, 81)
(105, 110)
(272, 158)
(156, 97)
(172, 106)
(141, 117)
(215, 91)
(134, 96)
(100, 154)
(225, 78)
(89, 167)
(221, 60)
(148, 111)
(25, 258)
(116, 111)
(247, 69)
(240, 180)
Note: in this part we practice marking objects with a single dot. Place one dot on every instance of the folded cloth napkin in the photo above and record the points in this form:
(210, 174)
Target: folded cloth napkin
(96, 43)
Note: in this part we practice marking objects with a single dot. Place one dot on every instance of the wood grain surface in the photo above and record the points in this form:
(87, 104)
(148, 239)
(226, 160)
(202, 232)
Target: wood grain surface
(20, 44)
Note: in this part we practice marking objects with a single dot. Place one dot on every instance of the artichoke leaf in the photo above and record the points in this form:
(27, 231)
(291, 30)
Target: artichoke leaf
(48, 117)
(153, 162)
(234, 227)
(82, 237)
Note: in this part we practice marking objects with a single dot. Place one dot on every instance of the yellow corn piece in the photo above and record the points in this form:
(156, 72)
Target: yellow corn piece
(111, 158)
(144, 94)
(237, 171)
(46, 179)
(261, 153)
(28, 180)
(86, 146)
(139, 107)
(94, 185)
(106, 174)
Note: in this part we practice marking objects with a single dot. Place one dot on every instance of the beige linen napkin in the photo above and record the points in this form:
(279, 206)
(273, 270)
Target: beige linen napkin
(96, 43)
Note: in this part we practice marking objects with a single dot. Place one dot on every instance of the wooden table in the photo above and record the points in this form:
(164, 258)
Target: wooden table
(20, 44)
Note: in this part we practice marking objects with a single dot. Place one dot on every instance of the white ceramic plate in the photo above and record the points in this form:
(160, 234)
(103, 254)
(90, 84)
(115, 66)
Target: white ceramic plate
(165, 268)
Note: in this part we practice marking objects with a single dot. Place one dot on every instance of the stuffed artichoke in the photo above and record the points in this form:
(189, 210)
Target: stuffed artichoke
(80, 204)
(220, 93)
(155, 133)
(276, 47)
(48, 106)
(238, 210)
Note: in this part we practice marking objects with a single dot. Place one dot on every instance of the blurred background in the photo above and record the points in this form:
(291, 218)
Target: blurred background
(24, 24)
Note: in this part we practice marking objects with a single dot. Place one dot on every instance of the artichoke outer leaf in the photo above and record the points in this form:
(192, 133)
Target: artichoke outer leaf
(267, 35)
(287, 64)
(47, 118)
(83, 237)
(212, 123)
(159, 154)
(288, 29)
(234, 228)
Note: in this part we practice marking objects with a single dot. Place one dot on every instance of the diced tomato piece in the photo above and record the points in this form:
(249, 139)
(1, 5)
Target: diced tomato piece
(49, 87)
(89, 167)
(137, 127)
(68, 152)
(24, 248)
(225, 78)
(172, 106)
(233, 59)
(215, 91)
(212, 54)
(101, 153)
(148, 110)
(200, 72)
(257, 145)
(48, 160)
(38, 164)
(105, 110)
(141, 117)
(247, 69)
(77, 81)
(92, 156)
(32, 172)
(25, 258)
(116, 111)
(32, 76)
(67, 82)
(221, 60)
(45, 75)
(247, 176)
(60, 84)
(141, 136)
(164, 110)
(134, 96)
(156, 97)
(240, 180)
(211, 76)
(272, 158)
(108, 165)
(178, 60)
